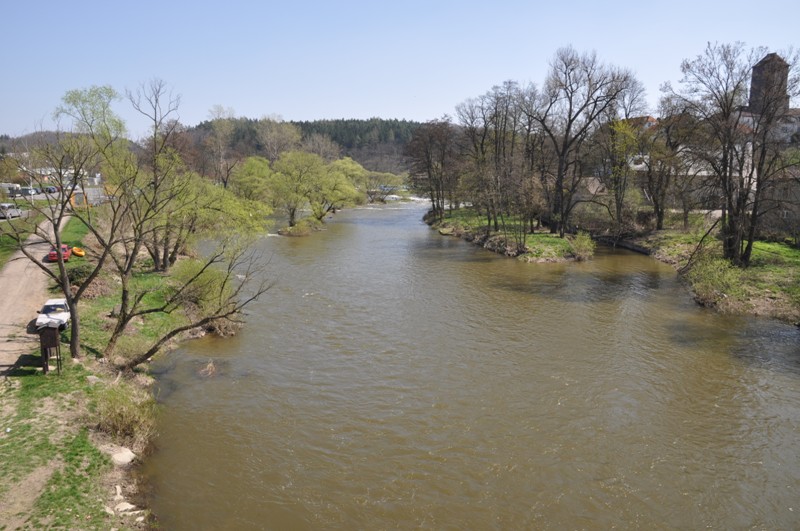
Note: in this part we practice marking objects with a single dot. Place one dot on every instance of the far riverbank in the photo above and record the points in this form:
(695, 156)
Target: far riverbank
(767, 288)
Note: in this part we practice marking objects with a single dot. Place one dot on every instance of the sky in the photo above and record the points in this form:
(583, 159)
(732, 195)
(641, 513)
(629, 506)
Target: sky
(309, 60)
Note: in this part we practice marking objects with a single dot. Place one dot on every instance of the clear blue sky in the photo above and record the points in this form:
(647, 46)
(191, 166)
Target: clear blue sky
(307, 60)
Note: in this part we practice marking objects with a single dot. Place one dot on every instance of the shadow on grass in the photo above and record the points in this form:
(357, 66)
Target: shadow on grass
(91, 351)
(26, 365)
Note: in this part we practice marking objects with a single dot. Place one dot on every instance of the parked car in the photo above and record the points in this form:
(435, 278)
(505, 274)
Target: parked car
(66, 252)
(26, 192)
(50, 189)
(9, 210)
(54, 310)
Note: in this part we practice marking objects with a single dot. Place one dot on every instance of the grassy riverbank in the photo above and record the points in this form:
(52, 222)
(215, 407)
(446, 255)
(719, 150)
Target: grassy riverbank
(58, 433)
(536, 246)
(769, 287)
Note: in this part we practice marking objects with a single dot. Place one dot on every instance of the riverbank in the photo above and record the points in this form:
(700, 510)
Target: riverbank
(61, 467)
(767, 288)
(70, 440)
(539, 246)
(66, 456)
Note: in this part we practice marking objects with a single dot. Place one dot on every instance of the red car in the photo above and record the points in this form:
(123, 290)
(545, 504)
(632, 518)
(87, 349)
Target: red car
(66, 252)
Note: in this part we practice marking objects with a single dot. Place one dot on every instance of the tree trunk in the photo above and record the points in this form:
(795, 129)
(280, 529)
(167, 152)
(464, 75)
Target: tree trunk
(732, 241)
(659, 218)
(122, 320)
(75, 334)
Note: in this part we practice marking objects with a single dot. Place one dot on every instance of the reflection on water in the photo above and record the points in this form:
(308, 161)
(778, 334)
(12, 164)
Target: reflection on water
(395, 378)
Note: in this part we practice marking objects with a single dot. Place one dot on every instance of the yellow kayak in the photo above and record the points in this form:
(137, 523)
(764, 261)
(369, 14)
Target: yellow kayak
(77, 251)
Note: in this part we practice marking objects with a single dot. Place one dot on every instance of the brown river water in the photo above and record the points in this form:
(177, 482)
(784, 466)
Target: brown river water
(394, 378)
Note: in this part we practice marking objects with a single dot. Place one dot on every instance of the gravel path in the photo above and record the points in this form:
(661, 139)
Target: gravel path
(23, 290)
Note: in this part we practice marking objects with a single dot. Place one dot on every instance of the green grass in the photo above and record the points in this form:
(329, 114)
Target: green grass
(771, 277)
(775, 268)
(767, 254)
(7, 247)
(20, 228)
(126, 412)
(70, 498)
(35, 438)
(96, 326)
(542, 246)
(546, 246)
(35, 388)
(465, 218)
(46, 419)
(74, 232)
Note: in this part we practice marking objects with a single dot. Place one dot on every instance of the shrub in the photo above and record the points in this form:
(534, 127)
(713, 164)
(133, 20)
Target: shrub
(304, 227)
(203, 289)
(713, 279)
(582, 245)
(78, 273)
(126, 413)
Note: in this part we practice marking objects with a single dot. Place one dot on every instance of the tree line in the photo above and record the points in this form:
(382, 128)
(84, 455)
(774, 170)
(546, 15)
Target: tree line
(377, 144)
(583, 138)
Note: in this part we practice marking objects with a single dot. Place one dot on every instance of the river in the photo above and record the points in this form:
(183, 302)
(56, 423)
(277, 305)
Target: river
(394, 378)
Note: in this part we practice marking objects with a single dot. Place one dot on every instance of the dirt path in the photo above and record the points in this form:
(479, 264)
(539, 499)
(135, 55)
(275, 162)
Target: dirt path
(23, 290)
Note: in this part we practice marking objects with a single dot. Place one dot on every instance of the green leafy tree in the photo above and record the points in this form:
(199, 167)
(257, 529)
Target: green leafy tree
(616, 145)
(334, 188)
(251, 179)
(215, 288)
(165, 209)
(379, 185)
(294, 177)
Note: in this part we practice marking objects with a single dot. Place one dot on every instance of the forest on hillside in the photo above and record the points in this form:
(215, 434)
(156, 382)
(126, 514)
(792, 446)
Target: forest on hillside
(377, 144)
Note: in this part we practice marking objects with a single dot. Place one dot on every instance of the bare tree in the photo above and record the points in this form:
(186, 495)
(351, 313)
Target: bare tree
(738, 140)
(223, 284)
(577, 93)
(165, 191)
(432, 151)
(615, 144)
(323, 146)
(506, 129)
(64, 162)
(277, 136)
(475, 148)
(669, 174)
(219, 142)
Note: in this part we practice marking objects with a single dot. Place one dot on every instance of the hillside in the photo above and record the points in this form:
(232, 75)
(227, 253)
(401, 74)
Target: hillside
(377, 144)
